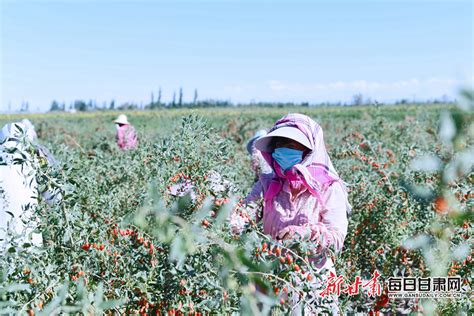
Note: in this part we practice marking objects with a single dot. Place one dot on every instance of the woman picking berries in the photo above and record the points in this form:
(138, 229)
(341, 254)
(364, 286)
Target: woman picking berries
(304, 197)
(125, 136)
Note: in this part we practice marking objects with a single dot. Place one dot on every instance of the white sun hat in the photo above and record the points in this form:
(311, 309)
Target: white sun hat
(12, 132)
(30, 130)
(264, 143)
(122, 119)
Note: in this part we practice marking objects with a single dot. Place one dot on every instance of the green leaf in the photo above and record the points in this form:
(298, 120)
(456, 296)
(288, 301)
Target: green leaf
(106, 305)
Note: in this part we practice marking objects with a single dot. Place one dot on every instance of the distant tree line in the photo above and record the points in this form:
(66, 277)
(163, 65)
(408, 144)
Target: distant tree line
(177, 101)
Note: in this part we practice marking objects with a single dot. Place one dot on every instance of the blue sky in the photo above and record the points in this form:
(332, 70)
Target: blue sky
(235, 50)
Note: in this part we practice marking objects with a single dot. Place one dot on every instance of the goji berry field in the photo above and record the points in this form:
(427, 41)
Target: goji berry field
(118, 242)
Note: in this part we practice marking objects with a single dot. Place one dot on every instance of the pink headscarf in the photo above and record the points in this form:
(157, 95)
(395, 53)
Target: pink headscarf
(314, 172)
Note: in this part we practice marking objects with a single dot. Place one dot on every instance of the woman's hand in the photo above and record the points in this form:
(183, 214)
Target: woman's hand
(306, 232)
(294, 232)
(285, 233)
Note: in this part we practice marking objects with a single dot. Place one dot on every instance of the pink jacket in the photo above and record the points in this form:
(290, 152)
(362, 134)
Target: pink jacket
(327, 225)
(126, 137)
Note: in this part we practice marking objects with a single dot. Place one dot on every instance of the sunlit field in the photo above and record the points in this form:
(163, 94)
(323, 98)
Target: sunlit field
(119, 242)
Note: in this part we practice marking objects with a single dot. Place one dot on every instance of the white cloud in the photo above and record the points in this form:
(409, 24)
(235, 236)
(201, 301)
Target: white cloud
(418, 88)
(276, 85)
(234, 88)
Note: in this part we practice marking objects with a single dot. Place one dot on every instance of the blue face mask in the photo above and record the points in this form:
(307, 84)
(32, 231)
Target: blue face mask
(287, 157)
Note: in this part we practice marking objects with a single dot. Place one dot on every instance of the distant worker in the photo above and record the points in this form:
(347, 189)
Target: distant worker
(21, 184)
(18, 186)
(259, 164)
(126, 136)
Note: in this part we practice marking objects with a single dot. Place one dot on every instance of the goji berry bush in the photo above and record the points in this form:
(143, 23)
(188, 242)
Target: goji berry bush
(146, 231)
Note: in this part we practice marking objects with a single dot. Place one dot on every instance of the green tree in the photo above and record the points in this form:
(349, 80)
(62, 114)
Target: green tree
(54, 106)
(195, 96)
(180, 99)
